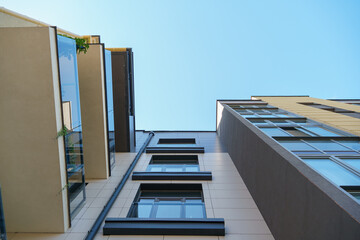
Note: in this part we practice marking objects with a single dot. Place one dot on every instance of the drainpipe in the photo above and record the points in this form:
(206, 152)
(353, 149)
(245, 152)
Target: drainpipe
(96, 226)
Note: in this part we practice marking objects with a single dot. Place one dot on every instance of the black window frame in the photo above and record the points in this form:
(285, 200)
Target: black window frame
(169, 226)
(163, 175)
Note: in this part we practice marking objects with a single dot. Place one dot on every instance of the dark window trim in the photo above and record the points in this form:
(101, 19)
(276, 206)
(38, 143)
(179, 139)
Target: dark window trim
(350, 138)
(136, 226)
(176, 141)
(172, 176)
(175, 150)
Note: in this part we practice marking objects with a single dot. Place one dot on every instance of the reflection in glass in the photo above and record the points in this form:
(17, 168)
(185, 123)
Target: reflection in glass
(334, 172)
(168, 204)
(321, 131)
(168, 211)
(354, 162)
(328, 145)
(72, 120)
(297, 145)
(353, 144)
(274, 132)
(110, 108)
(194, 211)
(172, 168)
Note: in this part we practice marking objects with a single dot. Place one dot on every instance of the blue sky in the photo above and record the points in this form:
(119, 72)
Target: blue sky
(188, 53)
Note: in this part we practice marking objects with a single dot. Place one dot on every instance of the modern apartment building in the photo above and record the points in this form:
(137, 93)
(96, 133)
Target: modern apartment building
(275, 168)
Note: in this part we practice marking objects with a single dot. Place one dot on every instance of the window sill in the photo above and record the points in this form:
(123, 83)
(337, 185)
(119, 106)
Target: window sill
(175, 150)
(142, 226)
(172, 176)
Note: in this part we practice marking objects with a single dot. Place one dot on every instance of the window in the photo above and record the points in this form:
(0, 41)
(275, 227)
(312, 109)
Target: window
(274, 132)
(173, 167)
(168, 203)
(175, 145)
(353, 162)
(320, 131)
(297, 145)
(298, 132)
(166, 209)
(334, 172)
(327, 145)
(333, 109)
(353, 191)
(355, 145)
(174, 163)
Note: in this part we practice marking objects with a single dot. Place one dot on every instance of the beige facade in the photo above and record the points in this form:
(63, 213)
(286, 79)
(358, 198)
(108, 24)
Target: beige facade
(93, 112)
(9, 18)
(336, 120)
(32, 172)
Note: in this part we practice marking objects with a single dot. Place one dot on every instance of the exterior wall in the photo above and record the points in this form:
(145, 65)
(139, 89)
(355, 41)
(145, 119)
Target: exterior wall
(226, 196)
(32, 172)
(93, 112)
(124, 121)
(9, 18)
(336, 120)
(295, 201)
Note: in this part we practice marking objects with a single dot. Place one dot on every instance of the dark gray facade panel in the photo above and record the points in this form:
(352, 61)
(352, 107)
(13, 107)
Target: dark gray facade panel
(135, 226)
(123, 96)
(172, 176)
(295, 201)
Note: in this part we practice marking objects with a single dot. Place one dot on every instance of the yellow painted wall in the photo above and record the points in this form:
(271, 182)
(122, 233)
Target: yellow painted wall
(337, 120)
(32, 161)
(93, 112)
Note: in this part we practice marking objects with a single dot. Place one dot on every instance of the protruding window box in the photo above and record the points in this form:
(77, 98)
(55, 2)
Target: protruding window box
(172, 176)
(138, 226)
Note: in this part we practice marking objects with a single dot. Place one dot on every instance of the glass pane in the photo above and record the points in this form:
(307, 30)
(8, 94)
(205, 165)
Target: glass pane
(296, 145)
(192, 169)
(308, 152)
(274, 132)
(168, 194)
(194, 211)
(267, 116)
(146, 200)
(143, 210)
(110, 107)
(342, 153)
(69, 84)
(356, 195)
(354, 162)
(278, 121)
(154, 168)
(173, 168)
(298, 132)
(168, 211)
(328, 145)
(193, 201)
(353, 144)
(321, 131)
(334, 172)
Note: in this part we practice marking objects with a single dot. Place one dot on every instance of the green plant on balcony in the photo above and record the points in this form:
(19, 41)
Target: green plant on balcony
(62, 132)
(81, 44)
